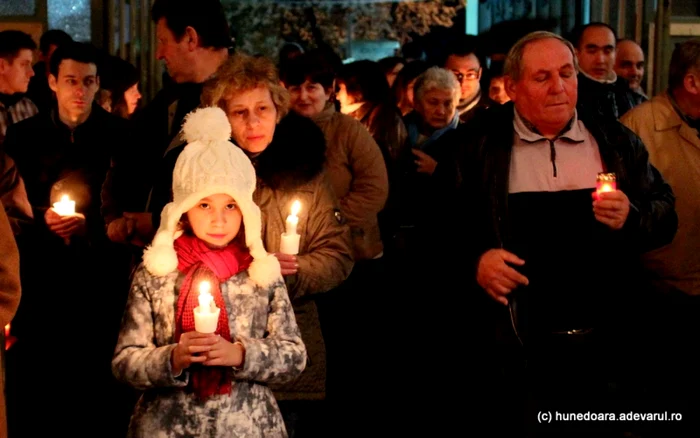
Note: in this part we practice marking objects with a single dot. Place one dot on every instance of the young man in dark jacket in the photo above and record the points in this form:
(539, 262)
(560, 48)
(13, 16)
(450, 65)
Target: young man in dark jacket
(74, 281)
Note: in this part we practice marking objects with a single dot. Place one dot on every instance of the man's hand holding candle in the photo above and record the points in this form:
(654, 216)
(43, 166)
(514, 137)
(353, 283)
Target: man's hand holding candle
(611, 208)
(496, 277)
(64, 226)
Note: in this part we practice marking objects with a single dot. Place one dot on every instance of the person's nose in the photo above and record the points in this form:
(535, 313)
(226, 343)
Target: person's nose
(253, 119)
(160, 52)
(219, 217)
(557, 85)
(600, 57)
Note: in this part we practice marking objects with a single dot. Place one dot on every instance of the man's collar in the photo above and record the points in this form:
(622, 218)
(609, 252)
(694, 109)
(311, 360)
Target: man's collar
(693, 123)
(604, 81)
(56, 118)
(7, 100)
(529, 133)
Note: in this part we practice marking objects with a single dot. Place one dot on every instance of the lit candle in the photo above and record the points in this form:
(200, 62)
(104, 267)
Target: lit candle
(64, 207)
(606, 182)
(7, 330)
(290, 238)
(206, 315)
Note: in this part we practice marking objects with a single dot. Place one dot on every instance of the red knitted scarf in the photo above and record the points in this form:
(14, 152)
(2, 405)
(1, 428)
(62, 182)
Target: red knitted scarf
(201, 263)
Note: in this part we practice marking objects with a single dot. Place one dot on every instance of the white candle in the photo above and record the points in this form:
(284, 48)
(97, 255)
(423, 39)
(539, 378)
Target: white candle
(206, 315)
(64, 207)
(290, 239)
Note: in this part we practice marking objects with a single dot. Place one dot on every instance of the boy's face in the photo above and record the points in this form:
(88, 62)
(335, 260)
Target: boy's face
(18, 72)
(216, 220)
(75, 86)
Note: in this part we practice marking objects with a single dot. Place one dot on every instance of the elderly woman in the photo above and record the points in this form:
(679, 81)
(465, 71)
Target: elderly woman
(436, 97)
(437, 93)
(288, 154)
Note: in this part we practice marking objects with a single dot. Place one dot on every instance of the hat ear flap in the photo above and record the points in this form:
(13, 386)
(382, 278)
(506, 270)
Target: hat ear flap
(265, 268)
(160, 257)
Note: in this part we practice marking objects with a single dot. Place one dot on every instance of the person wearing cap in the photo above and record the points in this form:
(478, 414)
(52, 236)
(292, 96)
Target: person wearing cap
(210, 232)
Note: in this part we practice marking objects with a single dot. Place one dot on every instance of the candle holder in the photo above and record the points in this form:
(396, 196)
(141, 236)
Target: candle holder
(206, 315)
(605, 182)
(289, 243)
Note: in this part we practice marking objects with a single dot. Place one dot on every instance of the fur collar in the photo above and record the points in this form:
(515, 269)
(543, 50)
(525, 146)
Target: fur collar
(295, 156)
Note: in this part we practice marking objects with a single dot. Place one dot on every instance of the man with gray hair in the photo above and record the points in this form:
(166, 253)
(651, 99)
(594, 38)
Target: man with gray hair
(554, 256)
(669, 126)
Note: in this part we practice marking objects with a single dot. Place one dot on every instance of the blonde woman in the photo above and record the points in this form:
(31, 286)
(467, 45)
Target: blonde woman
(288, 152)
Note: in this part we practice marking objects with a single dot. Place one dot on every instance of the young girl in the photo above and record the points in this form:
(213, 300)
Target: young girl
(196, 384)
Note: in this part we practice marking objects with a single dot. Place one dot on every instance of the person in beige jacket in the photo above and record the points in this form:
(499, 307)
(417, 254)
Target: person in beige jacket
(669, 127)
(288, 154)
(9, 297)
(359, 178)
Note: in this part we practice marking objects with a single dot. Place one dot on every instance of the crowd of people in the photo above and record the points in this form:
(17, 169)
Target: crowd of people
(457, 269)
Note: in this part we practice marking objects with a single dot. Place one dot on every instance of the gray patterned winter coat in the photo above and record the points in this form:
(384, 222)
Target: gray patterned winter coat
(262, 319)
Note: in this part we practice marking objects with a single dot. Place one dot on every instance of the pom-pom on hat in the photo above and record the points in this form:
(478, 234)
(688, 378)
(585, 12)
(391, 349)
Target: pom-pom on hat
(210, 164)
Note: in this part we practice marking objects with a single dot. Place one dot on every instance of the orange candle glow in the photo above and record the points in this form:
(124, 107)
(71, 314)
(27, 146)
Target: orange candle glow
(7, 330)
(606, 182)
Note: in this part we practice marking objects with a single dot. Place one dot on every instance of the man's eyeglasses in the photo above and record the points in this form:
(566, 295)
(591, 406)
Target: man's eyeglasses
(470, 76)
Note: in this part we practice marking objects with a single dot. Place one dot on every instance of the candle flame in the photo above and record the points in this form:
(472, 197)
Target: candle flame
(65, 198)
(296, 207)
(204, 287)
(606, 188)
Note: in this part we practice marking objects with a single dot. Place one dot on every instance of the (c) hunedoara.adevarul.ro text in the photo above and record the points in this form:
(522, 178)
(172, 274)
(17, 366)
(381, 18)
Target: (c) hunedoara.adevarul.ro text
(548, 417)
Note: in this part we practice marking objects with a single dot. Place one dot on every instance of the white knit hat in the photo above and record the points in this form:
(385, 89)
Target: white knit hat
(211, 164)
